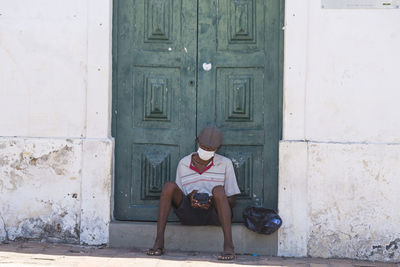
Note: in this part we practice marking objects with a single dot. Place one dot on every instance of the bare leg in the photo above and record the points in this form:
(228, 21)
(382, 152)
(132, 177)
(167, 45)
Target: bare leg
(171, 194)
(224, 215)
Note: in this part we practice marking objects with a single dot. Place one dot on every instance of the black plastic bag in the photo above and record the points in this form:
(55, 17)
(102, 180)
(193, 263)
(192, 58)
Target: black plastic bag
(261, 220)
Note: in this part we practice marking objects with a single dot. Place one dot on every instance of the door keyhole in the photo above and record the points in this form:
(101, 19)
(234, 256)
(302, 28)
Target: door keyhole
(191, 83)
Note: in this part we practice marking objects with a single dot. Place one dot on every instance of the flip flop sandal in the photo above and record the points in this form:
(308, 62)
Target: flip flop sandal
(155, 252)
(226, 256)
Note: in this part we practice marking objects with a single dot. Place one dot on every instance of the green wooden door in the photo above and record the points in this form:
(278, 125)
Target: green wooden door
(179, 66)
(155, 93)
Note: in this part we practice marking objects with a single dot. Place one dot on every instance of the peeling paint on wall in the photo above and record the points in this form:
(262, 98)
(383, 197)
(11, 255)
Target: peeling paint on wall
(36, 192)
(48, 192)
(96, 192)
(17, 165)
(349, 204)
(354, 196)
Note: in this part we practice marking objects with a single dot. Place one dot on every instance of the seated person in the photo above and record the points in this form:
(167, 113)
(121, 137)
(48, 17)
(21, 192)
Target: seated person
(201, 172)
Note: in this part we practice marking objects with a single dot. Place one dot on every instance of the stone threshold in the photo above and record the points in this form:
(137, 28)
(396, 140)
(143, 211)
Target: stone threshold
(141, 235)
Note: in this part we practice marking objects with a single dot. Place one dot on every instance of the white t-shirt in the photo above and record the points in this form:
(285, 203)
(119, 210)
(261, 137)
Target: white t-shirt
(219, 172)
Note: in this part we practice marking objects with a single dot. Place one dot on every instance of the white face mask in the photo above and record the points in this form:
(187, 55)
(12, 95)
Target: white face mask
(204, 154)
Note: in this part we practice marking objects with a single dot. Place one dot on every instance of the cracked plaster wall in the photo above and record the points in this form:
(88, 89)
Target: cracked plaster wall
(55, 190)
(40, 192)
(354, 196)
(340, 200)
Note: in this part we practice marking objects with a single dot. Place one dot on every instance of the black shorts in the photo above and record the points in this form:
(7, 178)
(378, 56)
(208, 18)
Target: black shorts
(196, 216)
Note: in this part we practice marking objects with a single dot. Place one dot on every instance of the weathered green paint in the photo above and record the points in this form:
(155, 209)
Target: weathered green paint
(155, 103)
(155, 47)
(240, 94)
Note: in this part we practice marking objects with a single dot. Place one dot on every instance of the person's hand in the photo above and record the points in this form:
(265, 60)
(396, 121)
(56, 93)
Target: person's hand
(203, 206)
(193, 202)
(196, 204)
(206, 206)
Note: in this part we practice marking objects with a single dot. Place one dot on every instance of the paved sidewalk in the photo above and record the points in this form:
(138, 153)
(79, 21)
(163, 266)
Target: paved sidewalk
(36, 254)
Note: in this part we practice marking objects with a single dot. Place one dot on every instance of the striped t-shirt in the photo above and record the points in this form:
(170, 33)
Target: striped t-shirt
(219, 172)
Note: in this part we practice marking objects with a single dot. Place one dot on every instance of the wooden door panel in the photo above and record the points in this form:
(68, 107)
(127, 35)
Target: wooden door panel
(156, 166)
(241, 25)
(248, 164)
(239, 98)
(156, 103)
(155, 89)
(152, 165)
(159, 24)
(240, 94)
(162, 95)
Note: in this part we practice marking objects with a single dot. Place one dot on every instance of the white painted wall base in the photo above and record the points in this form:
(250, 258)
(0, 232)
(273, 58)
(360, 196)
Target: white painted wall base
(55, 189)
(340, 200)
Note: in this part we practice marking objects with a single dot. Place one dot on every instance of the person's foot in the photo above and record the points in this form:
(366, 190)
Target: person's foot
(155, 252)
(228, 254)
(158, 248)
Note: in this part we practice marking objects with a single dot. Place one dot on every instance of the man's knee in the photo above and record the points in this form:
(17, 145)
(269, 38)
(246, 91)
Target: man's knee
(219, 192)
(169, 188)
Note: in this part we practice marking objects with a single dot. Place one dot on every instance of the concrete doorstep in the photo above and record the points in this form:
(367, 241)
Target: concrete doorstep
(37, 254)
(191, 238)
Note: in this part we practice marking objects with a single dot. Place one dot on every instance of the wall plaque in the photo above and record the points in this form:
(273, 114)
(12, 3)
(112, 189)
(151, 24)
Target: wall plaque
(360, 4)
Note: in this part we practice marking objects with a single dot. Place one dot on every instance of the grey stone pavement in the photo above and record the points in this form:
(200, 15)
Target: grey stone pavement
(37, 254)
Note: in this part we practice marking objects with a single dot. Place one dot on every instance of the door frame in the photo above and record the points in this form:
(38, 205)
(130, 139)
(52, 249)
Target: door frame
(115, 83)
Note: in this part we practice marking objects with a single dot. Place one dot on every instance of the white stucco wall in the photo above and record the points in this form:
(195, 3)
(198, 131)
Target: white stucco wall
(44, 60)
(55, 99)
(339, 157)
